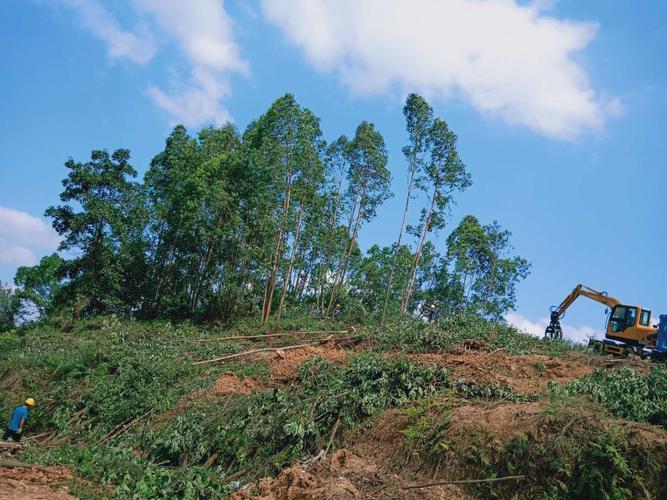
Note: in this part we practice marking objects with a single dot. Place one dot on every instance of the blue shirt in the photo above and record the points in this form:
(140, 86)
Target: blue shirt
(20, 413)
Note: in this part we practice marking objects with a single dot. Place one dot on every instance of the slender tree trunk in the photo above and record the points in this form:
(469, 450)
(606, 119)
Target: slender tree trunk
(203, 265)
(396, 250)
(330, 237)
(415, 263)
(346, 262)
(271, 281)
(288, 275)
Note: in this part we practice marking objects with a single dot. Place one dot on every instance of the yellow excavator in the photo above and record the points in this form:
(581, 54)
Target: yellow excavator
(628, 329)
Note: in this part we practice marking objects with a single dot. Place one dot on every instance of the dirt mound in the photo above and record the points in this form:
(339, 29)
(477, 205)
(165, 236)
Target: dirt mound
(503, 421)
(231, 384)
(285, 364)
(527, 373)
(34, 484)
(296, 483)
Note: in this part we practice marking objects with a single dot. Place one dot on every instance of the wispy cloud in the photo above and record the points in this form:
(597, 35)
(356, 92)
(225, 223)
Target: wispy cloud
(537, 327)
(22, 236)
(509, 60)
(104, 26)
(202, 30)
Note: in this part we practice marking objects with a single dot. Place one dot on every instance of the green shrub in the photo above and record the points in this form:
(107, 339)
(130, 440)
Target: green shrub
(626, 393)
(267, 431)
(414, 335)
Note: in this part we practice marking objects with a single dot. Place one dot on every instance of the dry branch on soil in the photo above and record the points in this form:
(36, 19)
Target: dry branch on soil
(264, 349)
(19, 465)
(464, 481)
(272, 335)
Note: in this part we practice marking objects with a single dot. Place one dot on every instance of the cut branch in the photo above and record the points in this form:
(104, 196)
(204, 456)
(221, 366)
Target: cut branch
(465, 481)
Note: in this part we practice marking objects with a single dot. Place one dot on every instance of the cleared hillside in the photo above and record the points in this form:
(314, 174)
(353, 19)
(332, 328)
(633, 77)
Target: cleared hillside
(327, 410)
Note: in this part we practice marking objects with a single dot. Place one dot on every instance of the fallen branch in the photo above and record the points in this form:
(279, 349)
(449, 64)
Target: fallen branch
(30, 438)
(19, 465)
(236, 475)
(123, 427)
(333, 434)
(464, 481)
(271, 335)
(264, 349)
(211, 460)
(10, 445)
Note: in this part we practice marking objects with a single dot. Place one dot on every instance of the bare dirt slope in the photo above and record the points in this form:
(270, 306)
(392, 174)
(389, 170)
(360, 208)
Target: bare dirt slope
(34, 484)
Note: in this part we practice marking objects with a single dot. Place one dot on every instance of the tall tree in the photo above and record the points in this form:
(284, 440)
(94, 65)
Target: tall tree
(368, 187)
(40, 285)
(483, 272)
(445, 174)
(287, 141)
(418, 118)
(8, 308)
(93, 225)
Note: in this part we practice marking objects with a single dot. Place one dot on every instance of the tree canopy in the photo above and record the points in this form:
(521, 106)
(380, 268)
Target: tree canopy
(267, 222)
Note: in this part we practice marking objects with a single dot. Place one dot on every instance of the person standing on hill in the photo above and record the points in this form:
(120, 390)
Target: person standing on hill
(20, 414)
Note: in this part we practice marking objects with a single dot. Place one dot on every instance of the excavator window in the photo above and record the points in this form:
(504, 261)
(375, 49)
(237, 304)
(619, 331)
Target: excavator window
(645, 318)
(631, 317)
(622, 317)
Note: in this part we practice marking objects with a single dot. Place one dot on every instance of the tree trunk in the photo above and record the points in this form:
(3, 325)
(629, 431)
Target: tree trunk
(346, 262)
(271, 281)
(415, 263)
(288, 275)
(203, 265)
(396, 250)
(330, 238)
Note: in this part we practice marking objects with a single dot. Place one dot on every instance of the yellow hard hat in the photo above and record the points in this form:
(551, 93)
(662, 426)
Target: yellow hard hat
(30, 402)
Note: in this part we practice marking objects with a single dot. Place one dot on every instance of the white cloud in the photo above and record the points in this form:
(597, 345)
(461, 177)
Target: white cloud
(508, 60)
(204, 31)
(22, 235)
(102, 24)
(536, 328)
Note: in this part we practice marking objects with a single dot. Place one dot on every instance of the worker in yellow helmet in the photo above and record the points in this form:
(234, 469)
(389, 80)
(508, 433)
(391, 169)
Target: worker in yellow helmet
(19, 416)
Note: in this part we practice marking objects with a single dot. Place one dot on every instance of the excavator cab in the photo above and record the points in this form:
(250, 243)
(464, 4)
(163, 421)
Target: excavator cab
(631, 324)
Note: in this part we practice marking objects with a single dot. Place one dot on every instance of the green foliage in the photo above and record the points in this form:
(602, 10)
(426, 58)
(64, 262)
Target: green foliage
(569, 455)
(8, 308)
(100, 189)
(267, 431)
(493, 391)
(40, 285)
(414, 335)
(626, 393)
(481, 277)
(124, 474)
(228, 225)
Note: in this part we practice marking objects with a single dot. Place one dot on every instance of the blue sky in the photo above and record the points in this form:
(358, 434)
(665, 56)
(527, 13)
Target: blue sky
(560, 108)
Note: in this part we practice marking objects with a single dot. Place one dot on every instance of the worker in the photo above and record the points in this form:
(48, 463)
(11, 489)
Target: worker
(337, 312)
(429, 313)
(20, 414)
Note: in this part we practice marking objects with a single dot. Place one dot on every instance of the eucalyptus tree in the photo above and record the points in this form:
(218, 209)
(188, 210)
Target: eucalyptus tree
(286, 142)
(445, 174)
(93, 222)
(418, 119)
(192, 212)
(482, 270)
(306, 188)
(368, 187)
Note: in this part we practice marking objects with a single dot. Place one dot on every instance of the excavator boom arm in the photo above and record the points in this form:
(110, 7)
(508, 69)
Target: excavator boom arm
(585, 291)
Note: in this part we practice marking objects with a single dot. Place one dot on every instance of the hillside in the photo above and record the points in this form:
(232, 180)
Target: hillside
(351, 413)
